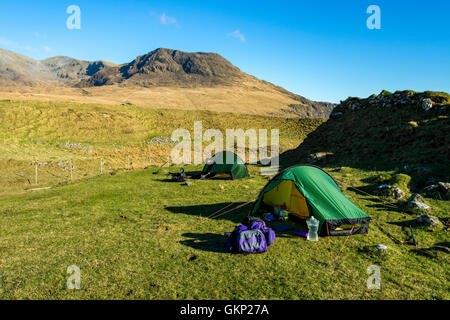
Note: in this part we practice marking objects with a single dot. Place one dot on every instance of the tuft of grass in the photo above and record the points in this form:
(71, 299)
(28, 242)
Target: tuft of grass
(401, 180)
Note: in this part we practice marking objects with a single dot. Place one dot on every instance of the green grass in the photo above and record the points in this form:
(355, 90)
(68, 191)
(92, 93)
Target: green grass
(136, 236)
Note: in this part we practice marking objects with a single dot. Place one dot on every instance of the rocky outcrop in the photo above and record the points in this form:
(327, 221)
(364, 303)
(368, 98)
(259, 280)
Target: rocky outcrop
(386, 99)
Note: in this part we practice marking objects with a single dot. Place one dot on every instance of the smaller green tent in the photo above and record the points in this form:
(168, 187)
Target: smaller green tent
(225, 162)
(306, 190)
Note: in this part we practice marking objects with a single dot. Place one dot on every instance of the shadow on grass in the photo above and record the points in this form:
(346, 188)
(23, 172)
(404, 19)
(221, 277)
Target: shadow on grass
(206, 210)
(405, 224)
(167, 180)
(381, 207)
(210, 242)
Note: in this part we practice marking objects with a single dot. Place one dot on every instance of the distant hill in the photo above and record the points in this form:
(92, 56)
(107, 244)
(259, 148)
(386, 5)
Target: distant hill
(224, 86)
(18, 68)
(389, 129)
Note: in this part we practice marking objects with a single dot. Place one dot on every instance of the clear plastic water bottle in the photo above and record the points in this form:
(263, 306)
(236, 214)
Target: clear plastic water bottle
(313, 228)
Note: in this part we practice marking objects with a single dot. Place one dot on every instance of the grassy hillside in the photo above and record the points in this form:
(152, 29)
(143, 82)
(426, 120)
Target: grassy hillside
(57, 134)
(389, 131)
(391, 128)
(246, 98)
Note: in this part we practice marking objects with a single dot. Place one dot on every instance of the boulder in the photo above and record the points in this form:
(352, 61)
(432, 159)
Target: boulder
(427, 220)
(416, 204)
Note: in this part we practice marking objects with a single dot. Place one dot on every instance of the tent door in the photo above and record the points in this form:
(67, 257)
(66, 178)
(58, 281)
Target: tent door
(287, 196)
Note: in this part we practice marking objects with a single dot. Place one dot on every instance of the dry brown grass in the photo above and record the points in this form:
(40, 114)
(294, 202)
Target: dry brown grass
(249, 97)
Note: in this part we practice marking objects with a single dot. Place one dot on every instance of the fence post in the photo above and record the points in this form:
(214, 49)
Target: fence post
(36, 173)
(101, 166)
(71, 170)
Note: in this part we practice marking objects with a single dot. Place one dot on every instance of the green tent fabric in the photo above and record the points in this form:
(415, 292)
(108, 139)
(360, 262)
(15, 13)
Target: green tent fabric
(324, 198)
(226, 162)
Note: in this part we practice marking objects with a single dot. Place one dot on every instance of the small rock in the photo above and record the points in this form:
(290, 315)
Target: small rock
(426, 104)
(162, 140)
(318, 156)
(336, 115)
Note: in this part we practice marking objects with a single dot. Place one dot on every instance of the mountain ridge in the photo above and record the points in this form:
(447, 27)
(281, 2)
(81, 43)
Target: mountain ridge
(160, 68)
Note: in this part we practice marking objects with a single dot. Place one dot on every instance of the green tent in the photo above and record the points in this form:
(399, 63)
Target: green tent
(306, 190)
(225, 162)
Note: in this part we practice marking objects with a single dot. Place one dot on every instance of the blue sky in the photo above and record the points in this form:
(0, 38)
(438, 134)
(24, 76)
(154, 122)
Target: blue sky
(322, 50)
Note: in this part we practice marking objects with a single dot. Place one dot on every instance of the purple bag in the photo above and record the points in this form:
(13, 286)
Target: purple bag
(253, 240)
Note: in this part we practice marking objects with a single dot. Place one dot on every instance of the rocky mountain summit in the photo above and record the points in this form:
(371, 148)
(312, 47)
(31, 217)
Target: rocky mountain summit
(169, 68)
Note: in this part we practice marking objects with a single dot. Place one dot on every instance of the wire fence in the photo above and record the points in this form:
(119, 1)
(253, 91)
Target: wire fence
(37, 174)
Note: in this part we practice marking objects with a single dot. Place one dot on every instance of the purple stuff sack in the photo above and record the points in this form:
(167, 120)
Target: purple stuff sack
(255, 239)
